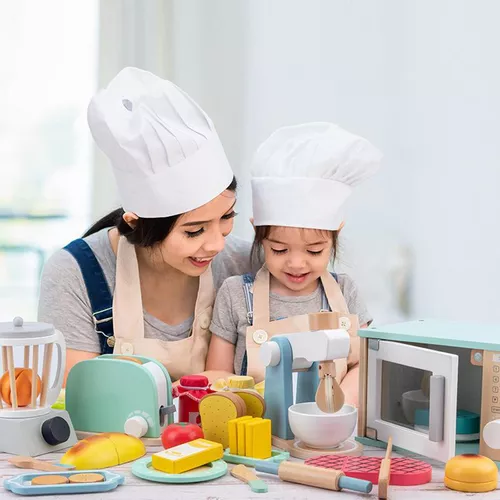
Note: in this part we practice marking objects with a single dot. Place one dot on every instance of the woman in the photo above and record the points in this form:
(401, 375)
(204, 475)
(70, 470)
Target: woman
(142, 280)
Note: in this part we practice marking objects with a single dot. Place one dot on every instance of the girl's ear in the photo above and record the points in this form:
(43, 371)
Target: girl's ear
(251, 222)
(131, 219)
(341, 226)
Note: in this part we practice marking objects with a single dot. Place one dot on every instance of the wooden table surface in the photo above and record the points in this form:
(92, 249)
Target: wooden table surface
(229, 488)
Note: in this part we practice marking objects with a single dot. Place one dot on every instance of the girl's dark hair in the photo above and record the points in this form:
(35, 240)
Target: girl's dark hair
(147, 232)
(262, 232)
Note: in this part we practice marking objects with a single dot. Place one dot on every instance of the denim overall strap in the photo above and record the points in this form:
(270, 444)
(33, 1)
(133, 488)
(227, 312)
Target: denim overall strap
(247, 290)
(100, 297)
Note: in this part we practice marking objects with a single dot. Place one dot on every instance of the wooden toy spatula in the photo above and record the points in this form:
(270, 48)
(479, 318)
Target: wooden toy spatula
(385, 471)
(33, 463)
(246, 475)
(329, 395)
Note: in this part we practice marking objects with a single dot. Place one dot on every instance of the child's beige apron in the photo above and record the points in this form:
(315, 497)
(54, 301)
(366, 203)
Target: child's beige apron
(180, 357)
(263, 329)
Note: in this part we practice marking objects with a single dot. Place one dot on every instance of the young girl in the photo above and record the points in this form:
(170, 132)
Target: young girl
(301, 177)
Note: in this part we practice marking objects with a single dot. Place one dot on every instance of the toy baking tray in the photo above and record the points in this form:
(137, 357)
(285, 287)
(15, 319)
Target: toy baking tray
(21, 485)
(276, 456)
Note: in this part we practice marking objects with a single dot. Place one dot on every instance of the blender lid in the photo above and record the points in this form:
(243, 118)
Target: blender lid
(21, 329)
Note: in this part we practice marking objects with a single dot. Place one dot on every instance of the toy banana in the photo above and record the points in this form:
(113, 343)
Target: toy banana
(104, 450)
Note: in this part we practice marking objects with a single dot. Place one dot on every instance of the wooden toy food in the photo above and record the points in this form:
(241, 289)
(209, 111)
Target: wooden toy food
(44, 480)
(255, 404)
(216, 410)
(187, 456)
(104, 450)
(24, 377)
(471, 473)
(175, 434)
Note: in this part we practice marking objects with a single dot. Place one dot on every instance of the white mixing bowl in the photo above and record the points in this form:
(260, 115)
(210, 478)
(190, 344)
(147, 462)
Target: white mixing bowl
(413, 401)
(322, 430)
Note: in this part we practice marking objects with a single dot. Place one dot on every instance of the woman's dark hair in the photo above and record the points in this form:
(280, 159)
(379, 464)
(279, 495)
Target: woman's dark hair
(147, 232)
(262, 232)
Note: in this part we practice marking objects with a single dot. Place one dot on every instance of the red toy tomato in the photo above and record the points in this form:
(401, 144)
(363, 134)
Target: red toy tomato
(179, 433)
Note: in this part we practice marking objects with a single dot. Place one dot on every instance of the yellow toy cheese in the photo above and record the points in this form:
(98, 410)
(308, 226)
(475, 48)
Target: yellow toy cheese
(258, 438)
(256, 406)
(471, 473)
(233, 433)
(240, 382)
(216, 410)
(187, 456)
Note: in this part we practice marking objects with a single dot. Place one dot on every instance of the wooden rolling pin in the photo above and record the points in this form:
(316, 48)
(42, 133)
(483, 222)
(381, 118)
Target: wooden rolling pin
(329, 479)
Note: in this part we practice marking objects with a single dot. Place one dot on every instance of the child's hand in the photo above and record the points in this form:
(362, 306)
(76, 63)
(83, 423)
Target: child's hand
(350, 386)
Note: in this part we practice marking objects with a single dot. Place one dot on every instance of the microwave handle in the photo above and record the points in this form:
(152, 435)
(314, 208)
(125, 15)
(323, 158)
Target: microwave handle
(436, 411)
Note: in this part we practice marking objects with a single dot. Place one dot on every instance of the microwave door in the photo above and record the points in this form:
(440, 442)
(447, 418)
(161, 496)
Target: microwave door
(412, 396)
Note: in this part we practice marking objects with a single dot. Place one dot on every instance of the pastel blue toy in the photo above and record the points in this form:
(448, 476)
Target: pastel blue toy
(111, 393)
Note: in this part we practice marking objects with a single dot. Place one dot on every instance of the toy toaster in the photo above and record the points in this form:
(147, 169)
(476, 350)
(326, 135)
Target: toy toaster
(113, 393)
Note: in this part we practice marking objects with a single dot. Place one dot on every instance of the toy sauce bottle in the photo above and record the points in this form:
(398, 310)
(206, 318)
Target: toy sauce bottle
(191, 389)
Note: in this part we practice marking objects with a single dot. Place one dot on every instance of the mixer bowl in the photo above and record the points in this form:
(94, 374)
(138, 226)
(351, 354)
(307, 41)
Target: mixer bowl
(414, 401)
(317, 429)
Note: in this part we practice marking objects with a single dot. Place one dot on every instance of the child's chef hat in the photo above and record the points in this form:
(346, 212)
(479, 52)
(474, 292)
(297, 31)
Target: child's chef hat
(165, 152)
(302, 175)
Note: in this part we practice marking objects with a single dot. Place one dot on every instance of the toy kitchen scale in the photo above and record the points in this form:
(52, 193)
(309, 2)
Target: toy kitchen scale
(434, 386)
(28, 424)
(319, 422)
(114, 393)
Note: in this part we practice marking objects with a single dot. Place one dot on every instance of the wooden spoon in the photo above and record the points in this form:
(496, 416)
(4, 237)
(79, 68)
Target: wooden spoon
(33, 463)
(247, 475)
(329, 396)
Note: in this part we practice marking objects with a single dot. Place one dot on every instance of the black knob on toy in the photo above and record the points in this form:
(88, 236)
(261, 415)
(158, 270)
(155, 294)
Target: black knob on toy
(55, 431)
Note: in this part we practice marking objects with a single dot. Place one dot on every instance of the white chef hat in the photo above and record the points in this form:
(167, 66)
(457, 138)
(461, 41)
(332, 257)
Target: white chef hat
(303, 174)
(164, 149)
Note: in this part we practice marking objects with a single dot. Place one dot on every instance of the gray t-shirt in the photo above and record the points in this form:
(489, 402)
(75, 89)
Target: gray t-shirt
(64, 301)
(230, 321)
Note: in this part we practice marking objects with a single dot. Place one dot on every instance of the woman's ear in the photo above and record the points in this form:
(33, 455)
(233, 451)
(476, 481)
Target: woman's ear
(131, 219)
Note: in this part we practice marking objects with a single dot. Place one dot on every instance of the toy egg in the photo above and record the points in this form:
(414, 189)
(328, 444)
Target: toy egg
(24, 378)
(471, 473)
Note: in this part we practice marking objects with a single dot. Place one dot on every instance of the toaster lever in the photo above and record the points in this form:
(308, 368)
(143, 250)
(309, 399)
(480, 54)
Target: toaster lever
(166, 410)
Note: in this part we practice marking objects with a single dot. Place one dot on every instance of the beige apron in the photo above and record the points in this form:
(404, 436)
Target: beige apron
(180, 357)
(263, 329)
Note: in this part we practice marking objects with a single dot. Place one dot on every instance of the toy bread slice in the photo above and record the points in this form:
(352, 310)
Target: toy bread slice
(256, 406)
(216, 410)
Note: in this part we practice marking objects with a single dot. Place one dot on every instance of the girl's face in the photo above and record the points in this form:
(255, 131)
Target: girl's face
(198, 236)
(297, 257)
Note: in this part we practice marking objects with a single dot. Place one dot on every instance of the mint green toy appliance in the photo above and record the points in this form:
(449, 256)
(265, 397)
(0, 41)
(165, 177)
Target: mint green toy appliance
(113, 394)
(433, 386)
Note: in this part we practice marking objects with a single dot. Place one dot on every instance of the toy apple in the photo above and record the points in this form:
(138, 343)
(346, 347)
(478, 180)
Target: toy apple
(179, 433)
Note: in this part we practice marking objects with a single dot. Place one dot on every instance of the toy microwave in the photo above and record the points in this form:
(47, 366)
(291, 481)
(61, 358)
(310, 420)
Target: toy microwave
(434, 386)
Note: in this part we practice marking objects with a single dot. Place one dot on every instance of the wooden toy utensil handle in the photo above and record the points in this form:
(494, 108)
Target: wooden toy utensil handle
(311, 476)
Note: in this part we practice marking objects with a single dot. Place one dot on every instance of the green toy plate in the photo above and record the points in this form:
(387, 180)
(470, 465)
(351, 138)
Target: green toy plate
(276, 457)
(142, 468)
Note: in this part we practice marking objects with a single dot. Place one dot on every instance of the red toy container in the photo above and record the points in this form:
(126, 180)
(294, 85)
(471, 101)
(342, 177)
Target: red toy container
(191, 389)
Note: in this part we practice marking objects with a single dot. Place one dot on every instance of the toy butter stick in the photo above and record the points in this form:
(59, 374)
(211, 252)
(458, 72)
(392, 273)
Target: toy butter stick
(329, 479)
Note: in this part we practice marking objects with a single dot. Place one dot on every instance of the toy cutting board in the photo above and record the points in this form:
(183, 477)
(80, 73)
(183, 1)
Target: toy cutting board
(404, 471)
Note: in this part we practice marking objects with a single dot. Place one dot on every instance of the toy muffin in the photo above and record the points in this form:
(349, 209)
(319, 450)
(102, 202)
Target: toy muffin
(471, 473)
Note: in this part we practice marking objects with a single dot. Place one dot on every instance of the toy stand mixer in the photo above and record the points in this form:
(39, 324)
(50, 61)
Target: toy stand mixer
(303, 428)
(28, 424)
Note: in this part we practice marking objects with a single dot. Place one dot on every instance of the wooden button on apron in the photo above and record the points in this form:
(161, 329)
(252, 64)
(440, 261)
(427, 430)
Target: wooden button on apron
(345, 323)
(127, 348)
(205, 321)
(259, 336)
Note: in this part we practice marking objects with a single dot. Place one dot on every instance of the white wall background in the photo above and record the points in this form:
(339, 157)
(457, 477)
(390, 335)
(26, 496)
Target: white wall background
(419, 79)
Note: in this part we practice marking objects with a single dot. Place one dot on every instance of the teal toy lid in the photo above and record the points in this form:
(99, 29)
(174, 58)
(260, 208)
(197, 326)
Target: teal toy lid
(467, 422)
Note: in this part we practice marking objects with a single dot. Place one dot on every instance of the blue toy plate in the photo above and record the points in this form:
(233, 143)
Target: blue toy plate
(142, 468)
(21, 485)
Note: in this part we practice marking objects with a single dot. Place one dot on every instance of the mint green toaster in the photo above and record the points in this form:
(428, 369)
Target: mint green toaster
(111, 393)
